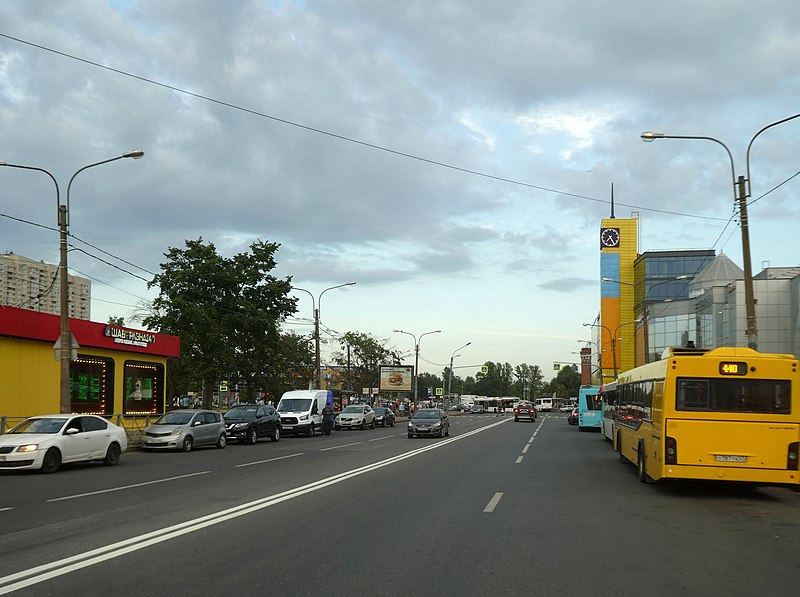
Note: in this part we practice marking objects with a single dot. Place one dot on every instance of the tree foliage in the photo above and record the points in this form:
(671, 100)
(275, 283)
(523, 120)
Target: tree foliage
(362, 355)
(227, 312)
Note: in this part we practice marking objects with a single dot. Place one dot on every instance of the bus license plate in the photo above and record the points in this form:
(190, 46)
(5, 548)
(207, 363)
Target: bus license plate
(728, 458)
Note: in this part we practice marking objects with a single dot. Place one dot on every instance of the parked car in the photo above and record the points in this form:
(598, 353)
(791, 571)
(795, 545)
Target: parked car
(525, 410)
(355, 415)
(428, 422)
(384, 416)
(565, 408)
(476, 409)
(184, 430)
(47, 442)
(572, 418)
(248, 422)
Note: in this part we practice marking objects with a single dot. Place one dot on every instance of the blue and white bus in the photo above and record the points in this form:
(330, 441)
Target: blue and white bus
(590, 408)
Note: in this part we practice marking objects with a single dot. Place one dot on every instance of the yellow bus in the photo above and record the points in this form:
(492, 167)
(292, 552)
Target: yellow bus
(728, 414)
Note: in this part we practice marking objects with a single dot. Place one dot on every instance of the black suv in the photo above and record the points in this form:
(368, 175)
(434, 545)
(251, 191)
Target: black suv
(524, 410)
(248, 422)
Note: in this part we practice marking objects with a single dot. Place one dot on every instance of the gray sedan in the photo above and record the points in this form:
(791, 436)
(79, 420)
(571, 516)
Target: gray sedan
(429, 422)
(185, 429)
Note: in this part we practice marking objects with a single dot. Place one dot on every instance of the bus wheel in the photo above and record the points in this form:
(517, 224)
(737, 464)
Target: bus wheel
(640, 464)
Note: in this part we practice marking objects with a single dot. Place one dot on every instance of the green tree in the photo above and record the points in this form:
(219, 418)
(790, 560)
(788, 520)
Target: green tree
(118, 321)
(529, 381)
(364, 353)
(227, 312)
(565, 384)
(497, 381)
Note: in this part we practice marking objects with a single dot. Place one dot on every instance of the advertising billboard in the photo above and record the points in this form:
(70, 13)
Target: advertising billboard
(396, 378)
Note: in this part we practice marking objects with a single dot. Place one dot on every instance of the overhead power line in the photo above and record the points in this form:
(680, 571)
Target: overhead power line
(344, 137)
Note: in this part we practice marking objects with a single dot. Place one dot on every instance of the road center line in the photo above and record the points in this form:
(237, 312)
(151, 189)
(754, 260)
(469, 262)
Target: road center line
(5, 509)
(268, 460)
(493, 502)
(50, 570)
(377, 439)
(525, 449)
(519, 459)
(80, 495)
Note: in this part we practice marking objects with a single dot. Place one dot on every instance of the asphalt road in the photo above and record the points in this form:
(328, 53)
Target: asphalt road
(497, 508)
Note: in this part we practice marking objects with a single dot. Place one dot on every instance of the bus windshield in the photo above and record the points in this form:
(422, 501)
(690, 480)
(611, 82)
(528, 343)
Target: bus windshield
(763, 396)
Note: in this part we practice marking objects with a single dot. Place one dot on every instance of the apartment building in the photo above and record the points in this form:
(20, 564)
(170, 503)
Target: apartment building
(34, 285)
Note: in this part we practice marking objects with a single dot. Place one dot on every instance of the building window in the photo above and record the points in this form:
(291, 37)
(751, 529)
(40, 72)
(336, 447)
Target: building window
(92, 385)
(143, 390)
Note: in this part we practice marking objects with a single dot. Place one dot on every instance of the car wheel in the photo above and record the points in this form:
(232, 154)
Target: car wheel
(363, 424)
(187, 444)
(221, 441)
(372, 425)
(252, 436)
(447, 432)
(310, 432)
(276, 435)
(392, 424)
(51, 461)
(112, 455)
(337, 428)
(410, 435)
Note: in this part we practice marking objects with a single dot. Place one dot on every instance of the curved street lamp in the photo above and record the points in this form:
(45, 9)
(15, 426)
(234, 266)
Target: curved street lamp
(315, 305)
(416, 357)
(65, 340)
(741, 191)
(450, 376)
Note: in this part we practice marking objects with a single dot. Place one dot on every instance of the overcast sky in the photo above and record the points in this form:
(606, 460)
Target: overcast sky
(453, 158)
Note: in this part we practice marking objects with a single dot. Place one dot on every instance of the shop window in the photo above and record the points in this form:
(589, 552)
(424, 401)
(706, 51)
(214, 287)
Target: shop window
(92, 385)
(143, 388)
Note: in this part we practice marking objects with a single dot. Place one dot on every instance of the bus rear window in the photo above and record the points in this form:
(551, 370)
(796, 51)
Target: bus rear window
(760, 396)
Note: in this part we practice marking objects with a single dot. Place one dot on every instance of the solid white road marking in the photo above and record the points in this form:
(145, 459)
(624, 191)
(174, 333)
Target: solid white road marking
(80, 495)
(5, 509)
(377, 439)
(493, 502)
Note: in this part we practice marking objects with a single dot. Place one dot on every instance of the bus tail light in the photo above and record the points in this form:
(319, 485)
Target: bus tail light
(791, 458)
(671, 451)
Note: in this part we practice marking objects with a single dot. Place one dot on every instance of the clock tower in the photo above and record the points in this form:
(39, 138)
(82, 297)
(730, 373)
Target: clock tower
(617, 330)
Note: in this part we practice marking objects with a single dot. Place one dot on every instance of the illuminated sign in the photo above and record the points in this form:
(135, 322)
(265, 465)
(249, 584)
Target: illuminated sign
(130, 337)
(732, 368)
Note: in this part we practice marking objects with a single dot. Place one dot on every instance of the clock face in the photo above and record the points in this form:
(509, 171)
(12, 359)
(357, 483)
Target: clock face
(609, 237)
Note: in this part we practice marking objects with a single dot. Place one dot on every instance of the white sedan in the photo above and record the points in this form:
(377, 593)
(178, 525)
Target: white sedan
(354, 416)
(48, 441)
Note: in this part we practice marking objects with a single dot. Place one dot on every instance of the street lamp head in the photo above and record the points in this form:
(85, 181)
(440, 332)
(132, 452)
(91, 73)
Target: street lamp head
(587, 325)
(649, 136)
(349, 283)
(134, 153)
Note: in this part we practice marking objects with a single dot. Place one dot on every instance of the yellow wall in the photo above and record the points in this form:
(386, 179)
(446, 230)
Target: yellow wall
(31, 376)
(618, 314)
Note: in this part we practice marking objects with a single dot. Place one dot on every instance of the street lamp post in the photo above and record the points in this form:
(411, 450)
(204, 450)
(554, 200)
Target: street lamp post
(416, 356)
(65, 340)
(450, 376)
(645, 308)
(315, 306)
(741, 191)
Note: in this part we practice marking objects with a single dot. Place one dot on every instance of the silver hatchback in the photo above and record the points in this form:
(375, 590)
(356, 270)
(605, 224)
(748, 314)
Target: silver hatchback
(185, 429)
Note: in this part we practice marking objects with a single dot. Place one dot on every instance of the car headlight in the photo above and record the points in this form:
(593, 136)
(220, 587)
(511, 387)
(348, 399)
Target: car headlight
(410, 424)
(176, 432)
(303, 417)
(240, 425)
(437, 424)
(28, 448)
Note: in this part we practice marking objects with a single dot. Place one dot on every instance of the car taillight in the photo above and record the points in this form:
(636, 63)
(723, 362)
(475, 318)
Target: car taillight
(791, 457)
(671, 451)
(516, 410)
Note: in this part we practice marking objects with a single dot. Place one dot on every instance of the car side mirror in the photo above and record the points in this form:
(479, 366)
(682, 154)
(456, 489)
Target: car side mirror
(196, 423)
(72, 431)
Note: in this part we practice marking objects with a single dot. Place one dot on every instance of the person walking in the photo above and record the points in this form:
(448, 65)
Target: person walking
(327, 419)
